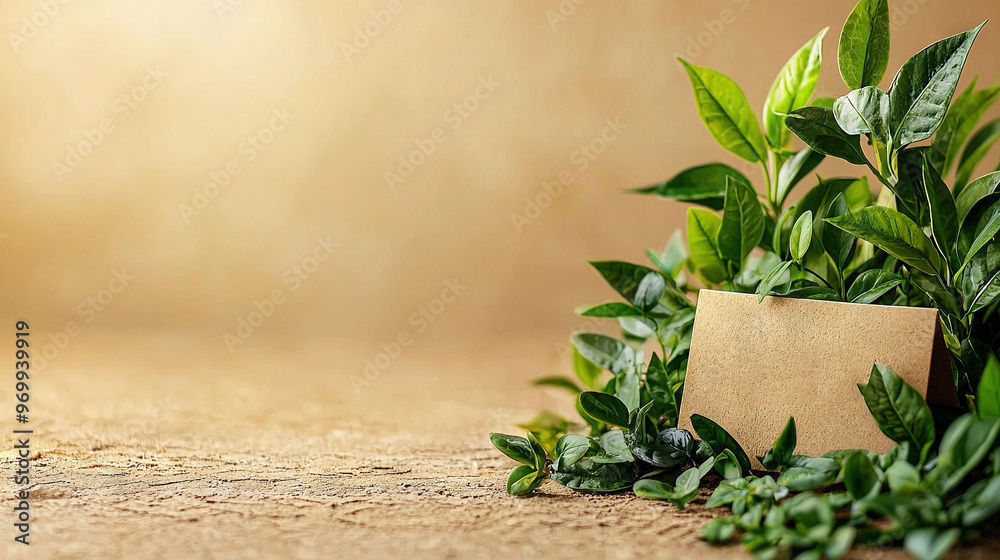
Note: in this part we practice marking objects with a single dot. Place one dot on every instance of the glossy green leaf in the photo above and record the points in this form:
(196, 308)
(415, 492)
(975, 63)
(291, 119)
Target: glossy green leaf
(742, 223)
(974, 192)
(571, 448)
(792, 89)
(859, 475)
(988, 394)
(538, 452)
(515, 447)
(930, 543)
(818, 128)
(586, 371)
(986, 228)
(801, 236)
(606, 408)
(591, 476)
(703, 232)
(612, 310)
(871, 285)
(795, 168)
(944, 216)
(778, 276)
(898, 408)
(863, 52)
(864, 111)
(838, 243)
(959, 122)
(719, 439)
(613, 448)
(923, 88)
(703, 184)
(627, 278)
(724, 109)
(781, 452)
(977, 148)
(894, 233)
(523, 480)
(783, 231)
(609, 353)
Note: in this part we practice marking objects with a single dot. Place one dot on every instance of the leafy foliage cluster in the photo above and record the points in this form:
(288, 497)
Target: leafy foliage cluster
(920, 242)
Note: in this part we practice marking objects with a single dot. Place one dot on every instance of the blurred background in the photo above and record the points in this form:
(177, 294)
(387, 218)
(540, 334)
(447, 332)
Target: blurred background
(194, 184)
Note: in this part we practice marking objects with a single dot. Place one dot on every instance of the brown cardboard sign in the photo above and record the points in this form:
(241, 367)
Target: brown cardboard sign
(753, 365)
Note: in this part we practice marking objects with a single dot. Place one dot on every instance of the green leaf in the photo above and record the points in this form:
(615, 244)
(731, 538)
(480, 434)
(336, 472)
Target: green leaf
(859, 475)
(570, 449)
(796, 168)
(864, 111)
(923, 87)
(809, 475)
(613, 448)
(671, 261)
(559, 382)
(728, 465)
(719, 439)
(585, 370)
(871, 285)
(985, 230)
(627, 279)
(724, 109)
(783, 231)
(792, 89)
(609, 353)
(781, 452)
(964, 445)
(894, 233)
(801, 236)
(651, 289)
(591, 476)
(523, 480)
(776, 277)
(863, 53)
(685, 490)
(818, 128)
(704, 184)
(974, 192)
(944, 216)
(961, 118)
(719, 531)
(703, 233)
(899, 410)
(537, 452)
(742, 223)
(837, 243)
(627, 389)
(988, 394)
(930, 543)
(517, 448)
(840, 542)
(604, 407)
(977, 148)
(903, 478)
(612, 310)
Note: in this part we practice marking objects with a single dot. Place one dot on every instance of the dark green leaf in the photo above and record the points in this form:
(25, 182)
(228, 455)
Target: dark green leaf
(724, 109)
(944, 216)
(704, 184)
(859, 475)
(742, 223)
(818, 128)
(899, 410)
(792, 89)
(838, 243)
(523, 480)
(606, 408)
(801, 236)
(871, 285)
(613, 448)
(930, 543)
(570, 449)
(624, 277)
(810, 475)
(650, 290)
(894, 233)
(609, 353)
(863, 53)
(703, 234)
(988, 394)
(923, 87)
(974, 192)
(612, 310)
(719, 439)
(559, 382)
(781, 453)
(517, 448)
(591, 476)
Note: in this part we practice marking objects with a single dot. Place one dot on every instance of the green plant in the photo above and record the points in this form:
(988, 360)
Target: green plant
(918, 242)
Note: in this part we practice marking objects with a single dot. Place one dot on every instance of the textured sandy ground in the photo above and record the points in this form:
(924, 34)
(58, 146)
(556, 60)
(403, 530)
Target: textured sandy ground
(269, 457)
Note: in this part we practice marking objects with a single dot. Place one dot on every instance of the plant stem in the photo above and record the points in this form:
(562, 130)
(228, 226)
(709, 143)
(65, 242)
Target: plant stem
(805, 268)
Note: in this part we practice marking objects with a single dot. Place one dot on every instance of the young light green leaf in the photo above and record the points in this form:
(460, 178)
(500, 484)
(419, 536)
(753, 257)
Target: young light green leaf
(974, 192)
(930, 543)
(703, 184)
(944, 216)
(977, 148)
(961, 118)
(801, 236)
(894, 233)
(818, 128)
(612, 310)
(719, 439)
(988, 394)
(864, 111)
(604, 407)
(792, 89)
(796, 168)
(724, 109)
(863, 53)
(671, 260)
(609, 353)
(871, 285)
(517, 448)
(742, 223)
(898, 408)
(776, 277)
(964, 445)
(703, 233)
(585, 370)
(923, 87)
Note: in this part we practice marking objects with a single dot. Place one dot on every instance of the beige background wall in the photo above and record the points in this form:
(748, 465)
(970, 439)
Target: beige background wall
(225, 66)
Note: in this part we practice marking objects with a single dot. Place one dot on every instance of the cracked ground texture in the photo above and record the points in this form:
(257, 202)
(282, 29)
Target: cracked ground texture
(277, 456)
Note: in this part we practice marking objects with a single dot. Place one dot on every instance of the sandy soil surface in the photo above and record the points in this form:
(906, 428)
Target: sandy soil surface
(270, 456)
